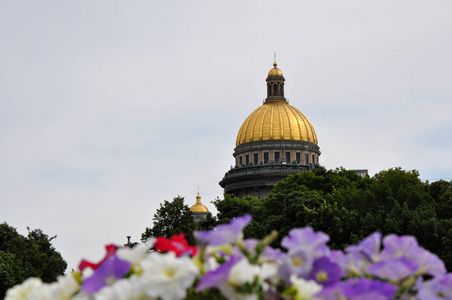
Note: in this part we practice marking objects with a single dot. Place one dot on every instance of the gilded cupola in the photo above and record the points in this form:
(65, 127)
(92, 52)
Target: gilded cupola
(199, 207)
(275, 71)
(276, 119)
(275, 85)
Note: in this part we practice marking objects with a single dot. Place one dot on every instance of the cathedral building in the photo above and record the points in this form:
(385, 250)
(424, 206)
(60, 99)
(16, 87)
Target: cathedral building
(275, 140)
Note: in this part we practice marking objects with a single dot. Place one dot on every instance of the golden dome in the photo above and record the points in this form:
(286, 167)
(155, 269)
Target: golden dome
(198, 207)
(276, 121)
(275, 71)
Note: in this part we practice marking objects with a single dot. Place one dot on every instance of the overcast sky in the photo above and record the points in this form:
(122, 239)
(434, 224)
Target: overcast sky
(107, 109)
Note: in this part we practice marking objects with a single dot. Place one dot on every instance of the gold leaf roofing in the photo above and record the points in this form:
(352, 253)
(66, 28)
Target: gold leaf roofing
(198, 207)
(276, 121)
(275, 71)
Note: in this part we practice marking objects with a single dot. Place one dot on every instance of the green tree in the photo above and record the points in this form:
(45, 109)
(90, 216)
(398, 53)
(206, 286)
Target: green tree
(209, 223)
(22, 257)
(348, 208)
(441, 191)
(172, 218)
(231, 207)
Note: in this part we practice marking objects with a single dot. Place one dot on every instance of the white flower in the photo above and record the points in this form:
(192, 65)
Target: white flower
(149, 242)
(42, 292)
(134, 255)
(64, 288)
(123, 289)
(268, 270)
(211, 263)
(21, 292)
(244, 272)
(241, 273)
(166, 276)
(83, 296)
(306, 289)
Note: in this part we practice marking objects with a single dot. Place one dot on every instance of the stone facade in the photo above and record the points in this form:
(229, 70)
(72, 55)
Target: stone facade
(258, 180)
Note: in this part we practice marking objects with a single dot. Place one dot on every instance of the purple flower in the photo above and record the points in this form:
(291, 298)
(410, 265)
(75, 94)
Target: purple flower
(360, 257)
(394, 270)
(271, 254)
(268, 254)
(107, 273)
(298, 262)
(369, 247)
(428, 262)
(250, 246)
(218, 276)
(308, 240)
(338, 257)
(224, 233)
(355, 263)
(358, 289)
(325, 272)
(397, 246)
(439, 288)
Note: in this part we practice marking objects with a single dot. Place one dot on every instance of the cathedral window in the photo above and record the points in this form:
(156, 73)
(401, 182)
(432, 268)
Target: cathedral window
(288, 157)
(313, 158)
(247, 159)
(275, 90)
(298, 157)
(266, 158)
(277, 157)
(269, 92)
(306, 159)
(241, 161)
(256, 159)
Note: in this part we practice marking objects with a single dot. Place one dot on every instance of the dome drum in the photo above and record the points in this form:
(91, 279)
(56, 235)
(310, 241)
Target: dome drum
(276, 152)
(276, 144)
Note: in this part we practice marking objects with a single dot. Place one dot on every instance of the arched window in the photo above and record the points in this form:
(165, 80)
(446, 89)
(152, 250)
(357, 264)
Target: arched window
(269, 92)
(275, 90)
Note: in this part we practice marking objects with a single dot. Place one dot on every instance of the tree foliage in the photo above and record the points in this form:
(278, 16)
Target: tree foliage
(172, 218)
(349, 207)
(31, 256)
(232, 207)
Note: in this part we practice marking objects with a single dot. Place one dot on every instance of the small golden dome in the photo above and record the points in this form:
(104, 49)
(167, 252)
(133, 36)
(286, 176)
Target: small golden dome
(198, 207)
(276, 121)
(275, 71)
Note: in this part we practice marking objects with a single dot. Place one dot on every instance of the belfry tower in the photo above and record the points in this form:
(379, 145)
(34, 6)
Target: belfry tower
(275, 140)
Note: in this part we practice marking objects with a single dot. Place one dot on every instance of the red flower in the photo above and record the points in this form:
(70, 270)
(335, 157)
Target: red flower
(177, 244)
(111, 250)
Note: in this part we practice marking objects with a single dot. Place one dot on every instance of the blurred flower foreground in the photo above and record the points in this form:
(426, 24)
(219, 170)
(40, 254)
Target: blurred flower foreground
(225, 266)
